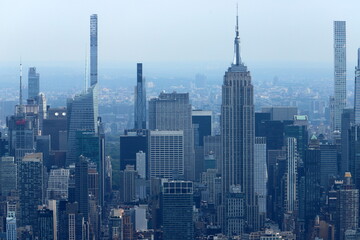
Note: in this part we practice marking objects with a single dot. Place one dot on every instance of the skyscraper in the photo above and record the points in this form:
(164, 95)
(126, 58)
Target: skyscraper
(260, 174)
(291, 175)
(177, 210)
(83, 108)
(93, 49)
(140, 100)
(8, 175)
(339, 72)
(172, 112)
(238, 136)
(31, 187)
(166, 154)
(357, 91)
(81, 186)
(33, 84)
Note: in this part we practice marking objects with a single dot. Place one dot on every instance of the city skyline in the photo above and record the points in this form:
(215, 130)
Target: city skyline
(289, 36)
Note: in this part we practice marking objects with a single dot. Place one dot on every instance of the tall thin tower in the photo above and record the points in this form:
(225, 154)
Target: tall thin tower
(339, 72)
(140, 100)
(93, 49)
(357, 91)
(237, 139)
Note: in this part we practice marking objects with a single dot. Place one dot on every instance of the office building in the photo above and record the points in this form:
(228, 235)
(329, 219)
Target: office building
(131, 143)
(348, 207)
(238, 137)
(260, 174)
(31, 187)
(177, 210)
(291, 175)
(82, 110)
(140, 99)
(141, 164)
(202, 124)
(328, 164)
(8, 175)
(281, 113)
(339, 72)
(81, 186)
(357, 90)
(312, 183)
(127, 183)
(55, 125)
(172, 112)
(58, 184)
(212, 145)
(11, 233)
(45, 224)
(347, 120)
(33, 84)
(354, 154)
(116, 224)
(166, 154)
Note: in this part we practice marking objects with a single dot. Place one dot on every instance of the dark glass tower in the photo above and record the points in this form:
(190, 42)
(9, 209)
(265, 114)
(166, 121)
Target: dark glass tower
(140, 100)
(238, 136)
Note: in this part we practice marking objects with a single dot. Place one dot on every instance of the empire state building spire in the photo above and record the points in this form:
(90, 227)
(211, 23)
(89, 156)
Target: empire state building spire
(237, 58)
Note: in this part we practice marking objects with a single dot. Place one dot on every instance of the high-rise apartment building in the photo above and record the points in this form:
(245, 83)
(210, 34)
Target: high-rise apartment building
(177, 210)
(339, 72)
(238, 137)
(357, 91)
(93, 49)
(140, 99)
(33, 84)
(172, 112)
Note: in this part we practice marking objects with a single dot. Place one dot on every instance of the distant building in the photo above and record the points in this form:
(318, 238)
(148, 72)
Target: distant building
(339, 72)
(140, 99)
(45, 224)
(357, 90)
(33, 84)
(127, 184)
(281, 113)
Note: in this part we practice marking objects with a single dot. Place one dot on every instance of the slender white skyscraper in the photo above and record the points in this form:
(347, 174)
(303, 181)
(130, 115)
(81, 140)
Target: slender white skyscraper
(339, 72)
(357, 91)
(93, 49)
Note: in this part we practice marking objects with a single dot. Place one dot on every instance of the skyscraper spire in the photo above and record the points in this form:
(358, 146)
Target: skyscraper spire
(237, 58)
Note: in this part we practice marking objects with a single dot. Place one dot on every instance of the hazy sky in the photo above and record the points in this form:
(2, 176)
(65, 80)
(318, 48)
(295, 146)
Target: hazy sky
(271, 31)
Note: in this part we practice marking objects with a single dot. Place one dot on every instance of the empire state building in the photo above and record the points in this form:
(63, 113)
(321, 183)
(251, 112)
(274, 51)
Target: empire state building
(240, 210)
